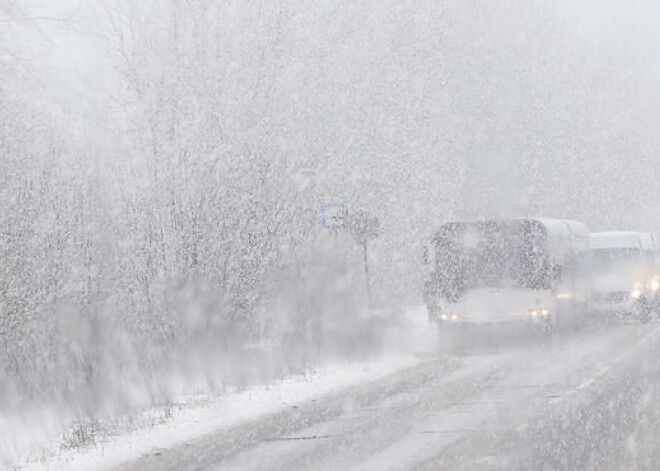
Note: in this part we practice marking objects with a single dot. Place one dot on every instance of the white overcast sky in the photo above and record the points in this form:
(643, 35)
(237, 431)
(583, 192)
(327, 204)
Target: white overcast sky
(65, 55)
(70, 60)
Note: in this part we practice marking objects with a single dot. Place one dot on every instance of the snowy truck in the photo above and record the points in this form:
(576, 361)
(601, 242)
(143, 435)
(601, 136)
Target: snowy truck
(504, 272)
(625, 269)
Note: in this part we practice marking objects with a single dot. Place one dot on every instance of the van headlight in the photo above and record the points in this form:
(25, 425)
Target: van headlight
(636, 293)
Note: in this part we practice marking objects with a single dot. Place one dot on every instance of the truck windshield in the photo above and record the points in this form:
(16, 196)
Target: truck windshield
(492, 255)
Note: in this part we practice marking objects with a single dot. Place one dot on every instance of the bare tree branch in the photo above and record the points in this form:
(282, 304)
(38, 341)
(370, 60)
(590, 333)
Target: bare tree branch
(41, 18)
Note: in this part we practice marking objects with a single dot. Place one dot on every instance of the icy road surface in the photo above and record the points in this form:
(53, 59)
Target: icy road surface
(588, 401)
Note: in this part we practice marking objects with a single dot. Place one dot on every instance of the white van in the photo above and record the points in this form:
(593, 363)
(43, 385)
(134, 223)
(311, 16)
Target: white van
(624, 269)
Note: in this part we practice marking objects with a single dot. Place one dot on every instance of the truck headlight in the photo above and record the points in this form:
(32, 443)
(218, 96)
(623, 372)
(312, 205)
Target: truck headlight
(636, 293)
(540, 312)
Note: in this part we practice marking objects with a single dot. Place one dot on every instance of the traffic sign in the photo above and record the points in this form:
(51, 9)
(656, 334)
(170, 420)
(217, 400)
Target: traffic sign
(335, 216)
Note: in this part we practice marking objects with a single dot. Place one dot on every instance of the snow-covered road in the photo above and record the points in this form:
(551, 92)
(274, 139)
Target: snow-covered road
(586, 401)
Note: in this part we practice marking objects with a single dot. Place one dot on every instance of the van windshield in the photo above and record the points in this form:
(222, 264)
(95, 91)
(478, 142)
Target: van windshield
(615, 260)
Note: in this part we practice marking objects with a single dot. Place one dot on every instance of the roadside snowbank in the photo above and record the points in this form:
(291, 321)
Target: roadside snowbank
(229, 410)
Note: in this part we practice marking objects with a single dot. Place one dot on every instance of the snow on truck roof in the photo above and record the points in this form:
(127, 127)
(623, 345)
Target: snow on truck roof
(564, 227)
(563, 236)
(555, 228)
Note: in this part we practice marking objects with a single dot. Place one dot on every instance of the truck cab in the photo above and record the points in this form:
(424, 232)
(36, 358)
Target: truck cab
(506, 273)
